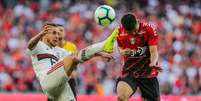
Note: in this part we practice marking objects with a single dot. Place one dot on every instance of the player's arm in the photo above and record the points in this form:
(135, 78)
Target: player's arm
(105, 55)
(153, 47)
(153, 55)
(124, 52)
(33, 41)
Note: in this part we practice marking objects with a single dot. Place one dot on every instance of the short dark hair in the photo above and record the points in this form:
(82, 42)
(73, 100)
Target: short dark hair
(59, 25)
(52, 24)
(129, 21)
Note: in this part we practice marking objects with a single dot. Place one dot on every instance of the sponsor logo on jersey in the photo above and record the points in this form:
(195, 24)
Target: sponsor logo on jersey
(140, 51)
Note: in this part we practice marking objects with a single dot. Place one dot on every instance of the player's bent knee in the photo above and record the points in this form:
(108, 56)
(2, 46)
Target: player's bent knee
(68, 62)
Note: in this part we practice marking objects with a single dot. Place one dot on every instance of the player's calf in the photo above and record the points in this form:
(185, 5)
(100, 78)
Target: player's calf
(90, 51)
(83, 55)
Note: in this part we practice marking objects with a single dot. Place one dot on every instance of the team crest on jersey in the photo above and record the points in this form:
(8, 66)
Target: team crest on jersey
(132, 40)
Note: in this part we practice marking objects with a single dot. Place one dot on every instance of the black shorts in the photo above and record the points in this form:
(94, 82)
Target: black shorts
(149, 87)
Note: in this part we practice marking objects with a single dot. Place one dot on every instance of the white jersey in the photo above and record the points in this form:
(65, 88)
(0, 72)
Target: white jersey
(44, 58)
(61, 53)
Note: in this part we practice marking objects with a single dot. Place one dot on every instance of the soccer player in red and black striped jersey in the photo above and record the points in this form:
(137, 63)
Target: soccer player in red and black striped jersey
(137, 42)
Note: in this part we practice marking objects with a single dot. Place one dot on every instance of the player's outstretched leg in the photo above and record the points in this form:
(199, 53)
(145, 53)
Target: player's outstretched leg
(83, 55)
(70, 63)
(90, 51)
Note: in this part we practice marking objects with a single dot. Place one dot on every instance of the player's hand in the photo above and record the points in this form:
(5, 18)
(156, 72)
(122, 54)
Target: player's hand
(47, 28)
(126, 51)
(156, 66)
(105, 55)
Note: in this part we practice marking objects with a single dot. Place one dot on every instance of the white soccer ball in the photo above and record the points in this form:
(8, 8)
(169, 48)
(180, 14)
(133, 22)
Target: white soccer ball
(104, 15)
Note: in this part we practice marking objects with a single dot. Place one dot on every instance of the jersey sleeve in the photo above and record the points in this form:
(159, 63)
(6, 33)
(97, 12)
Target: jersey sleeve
(37, 49)
(109, 44)
(152, 36)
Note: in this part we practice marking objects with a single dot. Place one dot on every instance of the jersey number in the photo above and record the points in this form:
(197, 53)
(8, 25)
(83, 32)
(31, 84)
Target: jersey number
(52, 61)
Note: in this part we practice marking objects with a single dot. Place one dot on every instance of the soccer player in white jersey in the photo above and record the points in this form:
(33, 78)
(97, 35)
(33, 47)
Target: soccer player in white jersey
(53, 68)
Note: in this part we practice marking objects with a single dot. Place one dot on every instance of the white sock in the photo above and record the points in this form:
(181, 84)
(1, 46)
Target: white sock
(90, 51)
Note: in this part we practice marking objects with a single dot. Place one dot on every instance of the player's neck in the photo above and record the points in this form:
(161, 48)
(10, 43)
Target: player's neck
(136, 30)
(138, 27)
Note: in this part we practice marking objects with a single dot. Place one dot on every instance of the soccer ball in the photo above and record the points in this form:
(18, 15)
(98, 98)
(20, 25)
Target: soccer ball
(104, 15)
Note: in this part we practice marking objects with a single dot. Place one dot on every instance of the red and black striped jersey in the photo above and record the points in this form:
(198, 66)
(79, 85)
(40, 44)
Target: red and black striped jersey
(137, 64)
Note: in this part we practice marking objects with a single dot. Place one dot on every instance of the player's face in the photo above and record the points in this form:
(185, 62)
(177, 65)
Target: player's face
(52, 36)
(61, 36)
(61, 30)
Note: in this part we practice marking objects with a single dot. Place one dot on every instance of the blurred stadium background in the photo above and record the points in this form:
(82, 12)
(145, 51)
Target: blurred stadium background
(179, 27)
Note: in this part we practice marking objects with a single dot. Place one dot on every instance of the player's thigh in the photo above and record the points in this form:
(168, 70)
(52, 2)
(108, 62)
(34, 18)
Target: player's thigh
(66, 94)
(126, 87)
(150, 89)
(54, 78)
(69, 64)
(124, 90)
